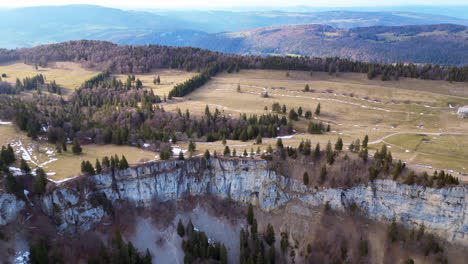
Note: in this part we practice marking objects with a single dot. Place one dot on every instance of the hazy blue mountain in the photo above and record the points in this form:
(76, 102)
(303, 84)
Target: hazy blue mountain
(219, 21)
(48, 24)
(442, 44)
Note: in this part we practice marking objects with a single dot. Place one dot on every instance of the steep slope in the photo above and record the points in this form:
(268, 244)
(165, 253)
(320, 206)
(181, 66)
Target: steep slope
(441, 44)
(76, 205)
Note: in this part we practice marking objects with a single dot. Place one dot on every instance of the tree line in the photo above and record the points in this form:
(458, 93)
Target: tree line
(141, 59)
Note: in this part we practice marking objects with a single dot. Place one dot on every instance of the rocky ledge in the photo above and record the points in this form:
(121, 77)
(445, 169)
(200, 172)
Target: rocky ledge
(78, 208)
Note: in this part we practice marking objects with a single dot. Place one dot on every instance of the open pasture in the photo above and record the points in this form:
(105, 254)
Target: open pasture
(354, 107)
(168, 78)
(68, 75)
(60, 166)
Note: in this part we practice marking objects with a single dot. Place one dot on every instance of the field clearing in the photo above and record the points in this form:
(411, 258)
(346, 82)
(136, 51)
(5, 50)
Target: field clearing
(169, 78)
(353, 105)
(68, 75)
(60, 166)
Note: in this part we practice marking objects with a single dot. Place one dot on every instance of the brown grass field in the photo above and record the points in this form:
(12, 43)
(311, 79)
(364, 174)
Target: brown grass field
(401, 111)
(354, 106)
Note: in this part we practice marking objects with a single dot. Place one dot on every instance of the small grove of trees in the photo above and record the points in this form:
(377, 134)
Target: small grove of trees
(293, 114)
(120, 251)
(317, 127)
(197, 248)
(256, 247)
(107, 163)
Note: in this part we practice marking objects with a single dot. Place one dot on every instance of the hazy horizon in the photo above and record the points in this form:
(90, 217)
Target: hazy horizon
(240, 4)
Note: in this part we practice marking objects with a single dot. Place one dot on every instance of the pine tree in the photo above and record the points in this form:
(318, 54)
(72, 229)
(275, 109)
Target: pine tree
(305, 178)
(250, 214)
(192, 147)
(181, 155)
(180, 229)
(317, 151)
(258, 139)
(106, 162)
(226, 152)
(330, 154)
(279, 143)
(365, 141)
(270, 235)
(223, 255)
(76, 147)
(317, 110)
(207, 154)
(245, 153)
(307, 88)
(98, 167)
(123, 164)
(339, 144)
(40, 181)
(323, 174)
(24, 166)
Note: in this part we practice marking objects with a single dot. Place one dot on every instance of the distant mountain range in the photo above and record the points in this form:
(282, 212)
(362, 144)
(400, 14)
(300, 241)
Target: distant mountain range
(441, 44)
(350, 34)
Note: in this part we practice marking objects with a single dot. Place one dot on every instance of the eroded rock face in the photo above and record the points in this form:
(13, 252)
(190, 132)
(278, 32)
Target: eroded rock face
(442, 211)
(10, 207)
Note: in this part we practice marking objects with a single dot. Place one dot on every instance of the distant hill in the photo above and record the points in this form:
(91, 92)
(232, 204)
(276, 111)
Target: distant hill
(218, 21)
(26, 27)
(441, 44)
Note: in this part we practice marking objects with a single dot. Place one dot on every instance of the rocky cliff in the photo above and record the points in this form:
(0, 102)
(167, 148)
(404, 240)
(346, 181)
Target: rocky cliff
(10, 206)
(442, 211)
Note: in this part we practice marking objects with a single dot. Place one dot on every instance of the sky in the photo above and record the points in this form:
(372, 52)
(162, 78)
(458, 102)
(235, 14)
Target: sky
(228, 3)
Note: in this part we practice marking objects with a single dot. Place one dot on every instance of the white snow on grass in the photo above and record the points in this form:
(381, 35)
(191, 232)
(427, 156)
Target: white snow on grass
(176, 150)
(285, 137)
(4, 123)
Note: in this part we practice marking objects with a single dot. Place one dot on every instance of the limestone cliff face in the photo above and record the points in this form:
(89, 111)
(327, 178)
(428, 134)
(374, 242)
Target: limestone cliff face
(442, 211)
(10, 207)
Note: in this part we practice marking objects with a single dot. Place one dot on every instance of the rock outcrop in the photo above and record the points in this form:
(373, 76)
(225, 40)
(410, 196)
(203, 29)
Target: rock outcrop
(75, 203)
(10, 207)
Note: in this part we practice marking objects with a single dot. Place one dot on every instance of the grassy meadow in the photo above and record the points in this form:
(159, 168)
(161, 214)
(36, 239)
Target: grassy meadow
(396, 113)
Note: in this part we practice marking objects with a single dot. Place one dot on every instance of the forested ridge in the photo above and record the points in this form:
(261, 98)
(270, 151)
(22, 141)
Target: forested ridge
(110, 57)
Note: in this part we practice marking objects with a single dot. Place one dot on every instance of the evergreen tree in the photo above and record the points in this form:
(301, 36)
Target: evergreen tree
(226, 152)
(330, 154)
(76, 147)
(98, 167)
(40, 181)
(307, 88)
(299, 111)
(317, 110)
(339, 144)
(250, 214)
(123, 164)
(270, 235)
(181, 155)
(279, 143)
(207, 154)
(317, 151)
(180, 229)
(365, 141)
(24, 166)
(323, 174)
(258, 139)
(305, 178)
(106, 162)
(192, 147)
